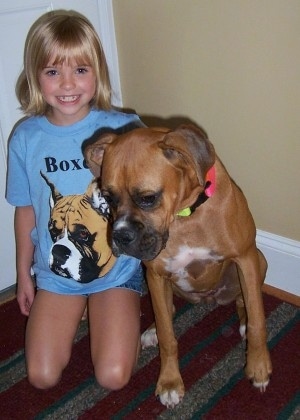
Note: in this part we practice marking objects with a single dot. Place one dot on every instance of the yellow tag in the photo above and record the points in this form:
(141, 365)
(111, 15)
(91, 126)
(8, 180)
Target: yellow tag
(185, 212)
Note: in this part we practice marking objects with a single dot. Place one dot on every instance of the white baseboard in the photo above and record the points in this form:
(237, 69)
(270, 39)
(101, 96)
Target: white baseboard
(283, 256)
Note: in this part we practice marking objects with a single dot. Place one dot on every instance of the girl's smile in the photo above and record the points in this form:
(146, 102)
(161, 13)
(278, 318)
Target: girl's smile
(68, 99)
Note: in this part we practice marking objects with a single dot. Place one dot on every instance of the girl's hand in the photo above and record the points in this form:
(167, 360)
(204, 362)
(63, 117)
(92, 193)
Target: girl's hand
(25, 294)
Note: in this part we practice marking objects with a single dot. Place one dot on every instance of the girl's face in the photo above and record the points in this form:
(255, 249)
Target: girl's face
(68, 88)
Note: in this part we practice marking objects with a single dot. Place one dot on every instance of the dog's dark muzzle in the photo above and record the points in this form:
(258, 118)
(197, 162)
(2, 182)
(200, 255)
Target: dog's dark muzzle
(137, 241)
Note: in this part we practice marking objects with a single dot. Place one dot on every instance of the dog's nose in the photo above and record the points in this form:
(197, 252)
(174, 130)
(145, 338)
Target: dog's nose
(123, 237)
(60, 253)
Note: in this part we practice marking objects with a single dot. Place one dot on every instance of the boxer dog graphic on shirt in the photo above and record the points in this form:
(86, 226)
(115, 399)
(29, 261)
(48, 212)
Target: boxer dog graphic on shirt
(79, 228)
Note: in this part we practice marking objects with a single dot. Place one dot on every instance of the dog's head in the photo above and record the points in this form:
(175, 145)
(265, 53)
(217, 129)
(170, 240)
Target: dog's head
(147, 176)
(79, 227)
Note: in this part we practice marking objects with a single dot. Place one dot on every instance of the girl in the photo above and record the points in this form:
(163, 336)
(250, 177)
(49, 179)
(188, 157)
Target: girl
(65, 92)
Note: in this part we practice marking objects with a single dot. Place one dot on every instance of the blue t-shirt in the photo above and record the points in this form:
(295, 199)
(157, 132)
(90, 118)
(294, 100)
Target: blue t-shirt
(46, 170)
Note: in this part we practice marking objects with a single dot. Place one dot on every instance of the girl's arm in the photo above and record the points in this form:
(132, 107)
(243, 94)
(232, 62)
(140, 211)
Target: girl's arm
(24, 223)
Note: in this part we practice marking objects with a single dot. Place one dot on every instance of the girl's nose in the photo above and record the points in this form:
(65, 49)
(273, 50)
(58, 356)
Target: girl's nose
(67, 82)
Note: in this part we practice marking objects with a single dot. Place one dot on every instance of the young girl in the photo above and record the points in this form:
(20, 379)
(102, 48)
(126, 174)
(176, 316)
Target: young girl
(60, 218)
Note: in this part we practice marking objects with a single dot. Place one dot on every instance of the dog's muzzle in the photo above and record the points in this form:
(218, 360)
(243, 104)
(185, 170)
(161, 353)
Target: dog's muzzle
(134, 239)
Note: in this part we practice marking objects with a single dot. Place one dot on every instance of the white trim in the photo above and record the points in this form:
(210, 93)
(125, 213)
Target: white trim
(107, 35)
(283, 256)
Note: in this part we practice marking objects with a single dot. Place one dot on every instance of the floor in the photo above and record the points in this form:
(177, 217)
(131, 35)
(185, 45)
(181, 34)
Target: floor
(7, 294)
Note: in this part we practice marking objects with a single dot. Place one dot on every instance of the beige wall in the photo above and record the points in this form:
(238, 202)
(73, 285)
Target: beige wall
(233, 67)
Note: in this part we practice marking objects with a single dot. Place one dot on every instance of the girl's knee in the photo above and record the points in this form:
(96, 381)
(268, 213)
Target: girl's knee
(113, 377)
(42, 378)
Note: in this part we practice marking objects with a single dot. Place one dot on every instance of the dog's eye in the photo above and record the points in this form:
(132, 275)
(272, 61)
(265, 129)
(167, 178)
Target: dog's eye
(147, 201)
(81, 234)
(84, 234)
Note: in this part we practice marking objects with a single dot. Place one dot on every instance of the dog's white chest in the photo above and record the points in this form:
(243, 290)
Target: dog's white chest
(177, 264)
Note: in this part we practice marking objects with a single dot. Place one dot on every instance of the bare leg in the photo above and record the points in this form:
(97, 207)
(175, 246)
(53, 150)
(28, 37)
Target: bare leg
(114, 317)
(51, 328)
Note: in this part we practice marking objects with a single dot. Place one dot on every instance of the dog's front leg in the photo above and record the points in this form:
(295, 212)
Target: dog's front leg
(258, 365)
(169, 388)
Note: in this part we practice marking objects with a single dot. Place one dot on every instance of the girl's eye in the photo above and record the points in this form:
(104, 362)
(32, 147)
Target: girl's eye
(82, 70)
(51, 72)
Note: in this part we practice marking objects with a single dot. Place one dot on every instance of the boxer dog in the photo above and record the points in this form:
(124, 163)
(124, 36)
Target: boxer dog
(176, 208)
(79, 226)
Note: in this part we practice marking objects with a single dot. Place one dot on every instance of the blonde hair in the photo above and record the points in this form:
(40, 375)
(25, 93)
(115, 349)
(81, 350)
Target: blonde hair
(69, 36)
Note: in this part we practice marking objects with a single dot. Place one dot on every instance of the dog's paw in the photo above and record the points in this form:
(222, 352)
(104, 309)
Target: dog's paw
(262, 386)
(259, 371)
(149, 338)
(170, 398)
(170, 390)
(243, 331)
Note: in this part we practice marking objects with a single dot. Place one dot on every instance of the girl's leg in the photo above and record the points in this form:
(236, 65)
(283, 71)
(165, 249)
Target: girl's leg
(114, 317)
(51, 328)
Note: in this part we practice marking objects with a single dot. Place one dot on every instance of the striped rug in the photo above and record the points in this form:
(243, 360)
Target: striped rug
(211, 361)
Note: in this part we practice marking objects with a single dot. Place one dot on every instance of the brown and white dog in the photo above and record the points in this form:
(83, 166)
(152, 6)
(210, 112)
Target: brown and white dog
(176, 208)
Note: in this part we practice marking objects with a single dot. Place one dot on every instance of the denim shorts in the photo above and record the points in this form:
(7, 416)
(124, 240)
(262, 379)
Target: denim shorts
(135, 283)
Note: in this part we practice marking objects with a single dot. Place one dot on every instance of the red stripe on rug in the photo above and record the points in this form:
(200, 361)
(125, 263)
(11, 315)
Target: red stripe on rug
(248, 403)
(12, 329)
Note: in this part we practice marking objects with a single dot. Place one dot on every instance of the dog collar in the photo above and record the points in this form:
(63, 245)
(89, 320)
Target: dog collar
(210, 186)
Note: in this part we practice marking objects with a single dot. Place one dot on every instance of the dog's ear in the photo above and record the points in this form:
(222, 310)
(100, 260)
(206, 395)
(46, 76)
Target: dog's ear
(93, 153)
(193, 145)
(96, 199)
(55, 194)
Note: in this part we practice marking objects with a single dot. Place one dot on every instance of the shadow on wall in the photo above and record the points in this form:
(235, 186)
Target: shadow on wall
(170, 122)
